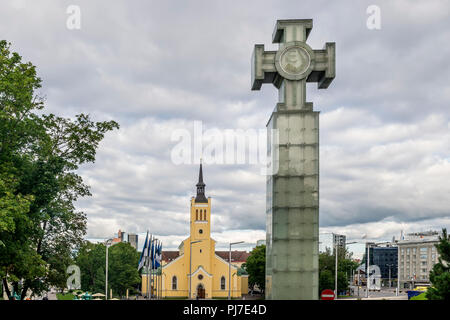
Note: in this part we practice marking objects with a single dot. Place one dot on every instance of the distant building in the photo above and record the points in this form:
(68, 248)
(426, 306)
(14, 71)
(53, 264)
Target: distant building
(133, 240)
(118, 238)
(386, 258)
(122, 236)
(329, 240)
(261, 242)
(417, 255)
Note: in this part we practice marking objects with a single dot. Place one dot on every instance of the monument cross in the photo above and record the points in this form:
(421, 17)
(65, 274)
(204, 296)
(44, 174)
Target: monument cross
(293, 191)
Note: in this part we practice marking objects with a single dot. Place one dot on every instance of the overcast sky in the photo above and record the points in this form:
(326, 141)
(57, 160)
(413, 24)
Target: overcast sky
(158, 66)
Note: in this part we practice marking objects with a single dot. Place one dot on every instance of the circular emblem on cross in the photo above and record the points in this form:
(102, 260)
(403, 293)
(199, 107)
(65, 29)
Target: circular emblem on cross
(295, 61)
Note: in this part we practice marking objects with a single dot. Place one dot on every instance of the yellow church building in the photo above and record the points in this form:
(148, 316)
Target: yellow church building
(203, 270)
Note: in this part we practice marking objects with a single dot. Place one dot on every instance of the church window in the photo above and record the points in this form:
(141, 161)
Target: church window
(200, 231)
(200, 277)
(196, 214)
(174, 283)
(222, 283)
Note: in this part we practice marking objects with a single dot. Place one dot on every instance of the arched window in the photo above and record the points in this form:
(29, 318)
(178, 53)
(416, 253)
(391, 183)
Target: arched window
(174, 283)
(196, 214)
(222, 283)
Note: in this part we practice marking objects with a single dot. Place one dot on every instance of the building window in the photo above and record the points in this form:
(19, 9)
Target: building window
(196, 214)
(222, 283)
(174, 283)
(200, 277)
(200, 231)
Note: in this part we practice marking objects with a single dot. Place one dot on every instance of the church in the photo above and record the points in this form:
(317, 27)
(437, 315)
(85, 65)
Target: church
(209, 271)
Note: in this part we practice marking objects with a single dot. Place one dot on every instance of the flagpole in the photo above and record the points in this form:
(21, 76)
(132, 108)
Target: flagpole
(157, 276)
(152, 256)
(160, 276)
(156, 270)
(148, 268)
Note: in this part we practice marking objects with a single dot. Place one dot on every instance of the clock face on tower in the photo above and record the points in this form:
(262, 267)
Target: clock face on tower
(295, 61)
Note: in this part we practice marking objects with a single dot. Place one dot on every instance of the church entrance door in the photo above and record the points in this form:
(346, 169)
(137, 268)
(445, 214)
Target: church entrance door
(200, 291)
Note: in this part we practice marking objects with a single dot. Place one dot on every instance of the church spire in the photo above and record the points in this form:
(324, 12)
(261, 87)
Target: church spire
(201, 187)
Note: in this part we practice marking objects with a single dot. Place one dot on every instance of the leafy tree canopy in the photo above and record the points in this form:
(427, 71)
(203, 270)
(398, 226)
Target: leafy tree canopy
(256, 267)
(440, 274)
(39, 156)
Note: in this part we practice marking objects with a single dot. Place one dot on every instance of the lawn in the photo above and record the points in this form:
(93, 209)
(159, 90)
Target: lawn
(67, 296)
(419, 297)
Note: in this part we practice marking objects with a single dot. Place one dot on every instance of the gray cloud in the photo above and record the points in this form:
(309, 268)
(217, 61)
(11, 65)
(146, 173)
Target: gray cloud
(156, 66)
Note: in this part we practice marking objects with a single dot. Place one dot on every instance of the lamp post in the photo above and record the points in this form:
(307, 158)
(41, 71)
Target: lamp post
(108, 242)
(367, 274)
(190, 264)
(229, 269)
(336, 245)
(336, 267)
(389, 266)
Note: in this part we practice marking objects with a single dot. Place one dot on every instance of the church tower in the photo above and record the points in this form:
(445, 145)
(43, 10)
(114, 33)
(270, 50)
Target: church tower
(198, 271)
(200, 211)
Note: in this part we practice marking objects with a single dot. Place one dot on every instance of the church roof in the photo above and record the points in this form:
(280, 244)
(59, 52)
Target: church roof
(170, 255)
(236, 256)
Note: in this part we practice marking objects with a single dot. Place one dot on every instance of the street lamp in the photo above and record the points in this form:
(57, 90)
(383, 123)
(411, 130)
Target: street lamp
(336, 263)
(190, 264)
(229, 269)
(389, 266)
(108, 242)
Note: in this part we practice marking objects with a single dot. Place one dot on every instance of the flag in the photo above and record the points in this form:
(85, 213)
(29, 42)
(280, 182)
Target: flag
(144, 253)
(153, 254)
(158, 255)
(149, 252)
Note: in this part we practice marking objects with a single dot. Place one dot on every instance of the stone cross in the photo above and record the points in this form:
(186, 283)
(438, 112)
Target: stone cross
(293, 191)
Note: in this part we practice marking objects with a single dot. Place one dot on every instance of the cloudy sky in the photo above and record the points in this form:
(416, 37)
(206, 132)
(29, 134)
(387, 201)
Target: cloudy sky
(158, 66)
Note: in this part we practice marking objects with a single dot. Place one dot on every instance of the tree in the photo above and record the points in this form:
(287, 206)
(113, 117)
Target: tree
(440, 274)
(327, 267)
(39, 156)
(256, 267)
(91, 260)
(326, 280)
(122, 267)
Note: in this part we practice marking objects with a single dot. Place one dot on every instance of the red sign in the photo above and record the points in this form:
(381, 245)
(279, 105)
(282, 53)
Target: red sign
(327, 294)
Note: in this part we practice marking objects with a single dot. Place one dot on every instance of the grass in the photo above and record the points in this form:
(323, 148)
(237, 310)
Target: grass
(67, 296)
(419, 297)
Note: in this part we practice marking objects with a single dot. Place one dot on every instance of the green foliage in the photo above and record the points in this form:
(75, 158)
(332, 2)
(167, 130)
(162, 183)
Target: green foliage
(327, 267)
(39, 153)
(123, 274)
(326, 280)
(256, 267)
(122, 270)
(440, 274)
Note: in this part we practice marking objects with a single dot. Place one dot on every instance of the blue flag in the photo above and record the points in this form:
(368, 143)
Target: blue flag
(158, 255)
(144, 253)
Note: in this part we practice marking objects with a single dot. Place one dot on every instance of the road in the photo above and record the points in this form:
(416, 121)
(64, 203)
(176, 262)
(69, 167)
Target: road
(383, 294)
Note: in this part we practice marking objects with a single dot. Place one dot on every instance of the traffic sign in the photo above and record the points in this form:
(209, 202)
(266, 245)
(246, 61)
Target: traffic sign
(327, 294)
